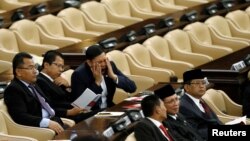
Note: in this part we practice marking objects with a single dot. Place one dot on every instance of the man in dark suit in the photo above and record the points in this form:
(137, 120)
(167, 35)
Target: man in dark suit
(149, 128)
(25, 101)
(101, 76)
(176, 123)
(192, 107)
(55, 87)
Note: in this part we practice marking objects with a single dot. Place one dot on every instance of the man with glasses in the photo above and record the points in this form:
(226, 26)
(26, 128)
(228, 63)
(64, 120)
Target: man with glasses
(55, 87)
(101, 76)
(176, 123)
(25, 101)
(192, 107)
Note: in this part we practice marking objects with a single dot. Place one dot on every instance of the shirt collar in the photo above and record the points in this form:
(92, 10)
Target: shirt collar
(156, 123)
(46, 75)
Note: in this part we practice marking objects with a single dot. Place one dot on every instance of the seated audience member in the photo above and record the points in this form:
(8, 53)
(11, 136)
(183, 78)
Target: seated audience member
(176, 123)
(101, 76)
(54, 87)
(151, 128)
(192, 107)
(25, 101)
(246, 100)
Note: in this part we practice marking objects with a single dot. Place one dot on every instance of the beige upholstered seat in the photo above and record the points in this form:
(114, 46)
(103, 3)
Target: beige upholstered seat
(54, 26)
(159, 52)
(5, 137)
(225, 29)
(6, 73)
(100, 13)
(9, 127)
(33, 1)
(240, 19)
(9, 47)
(182, 4)
(7, 5)
(142, 82)
(200, 33)
(222, 105)
(181, 45)
(131, 137)
(153, 7)
(126, 9)
(78, 21)
(34, 39)
(141, 56)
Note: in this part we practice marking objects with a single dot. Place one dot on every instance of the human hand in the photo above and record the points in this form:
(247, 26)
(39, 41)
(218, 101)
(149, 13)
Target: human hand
(75, 111)
(111, 73)
(97, 73)
(59, 81)
(55, 126)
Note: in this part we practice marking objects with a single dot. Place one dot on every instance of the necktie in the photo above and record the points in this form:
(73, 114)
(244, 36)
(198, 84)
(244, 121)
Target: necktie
(205, 107)
(42, 101)
(165, 132)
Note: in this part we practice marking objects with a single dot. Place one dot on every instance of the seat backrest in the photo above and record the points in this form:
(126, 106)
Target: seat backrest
(240, 19)
(145, 5)
(117, 57)
(131, 137)
(73, 17)
(220, 25)
(215, 100)
(4, 66)
(95, 11)
(158, 46)
(23, 26)
(8, 40)
(167, 1)
(140, 54)
(120, 7)
(3, 127)
(51, 25)
(67, 75)
(179, 39)
(200, 31)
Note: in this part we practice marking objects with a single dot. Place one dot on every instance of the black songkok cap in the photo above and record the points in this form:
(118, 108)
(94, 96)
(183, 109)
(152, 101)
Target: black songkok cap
(93, 51)
(192, 74)
(165, 91)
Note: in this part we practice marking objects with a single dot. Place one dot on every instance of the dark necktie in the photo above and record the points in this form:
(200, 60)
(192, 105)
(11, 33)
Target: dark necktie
(165, 132)
(205, 107)
(42, 101)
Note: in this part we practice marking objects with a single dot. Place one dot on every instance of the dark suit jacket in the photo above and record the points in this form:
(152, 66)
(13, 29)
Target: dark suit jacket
(58, 96)
(196, 118)
(246, 100)
(145, 130)
(82, 78)
(181, 130)
(22, 106)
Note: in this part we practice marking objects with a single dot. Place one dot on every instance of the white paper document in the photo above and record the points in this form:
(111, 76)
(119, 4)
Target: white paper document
(109, 114)
(87, 99)
(237, 121)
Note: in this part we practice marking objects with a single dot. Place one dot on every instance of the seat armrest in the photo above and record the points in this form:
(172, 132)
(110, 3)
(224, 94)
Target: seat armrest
(68, 122)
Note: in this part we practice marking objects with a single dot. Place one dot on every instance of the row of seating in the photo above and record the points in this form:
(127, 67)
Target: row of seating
(161, 58)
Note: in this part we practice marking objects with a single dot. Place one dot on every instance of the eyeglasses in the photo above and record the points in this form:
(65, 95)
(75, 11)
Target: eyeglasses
(172, 101)
(28, 68)
(59, 65)
(198, 83)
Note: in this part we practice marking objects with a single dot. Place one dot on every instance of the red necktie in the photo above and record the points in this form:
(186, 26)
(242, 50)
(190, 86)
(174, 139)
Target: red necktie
(165, 132)
(205, 107)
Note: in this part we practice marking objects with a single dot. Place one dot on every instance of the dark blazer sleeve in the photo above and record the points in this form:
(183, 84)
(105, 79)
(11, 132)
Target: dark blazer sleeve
(123, 81)
(22, 107)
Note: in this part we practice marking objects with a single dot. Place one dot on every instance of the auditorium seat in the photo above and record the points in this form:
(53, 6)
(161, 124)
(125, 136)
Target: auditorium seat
(141, 56)
(78, 21)
(6, 73)
(182, 4)
(240, 19)
(33, 1)
(7, 5)
(100, 13)
(55, 26)
(126, 9)
(131, 137)
(159, 52)
(9, 47)
(180, 44)
(9, 127)
(222, 105)
(153, 7)
(223, 28)
(5, 137)
(142, 82)
(34, 38)
(200, 33)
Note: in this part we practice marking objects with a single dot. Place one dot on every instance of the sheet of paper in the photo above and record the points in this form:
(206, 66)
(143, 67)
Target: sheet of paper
(237, 121)
(109, 114)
